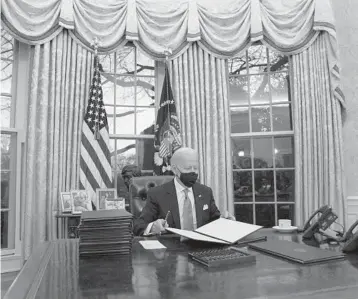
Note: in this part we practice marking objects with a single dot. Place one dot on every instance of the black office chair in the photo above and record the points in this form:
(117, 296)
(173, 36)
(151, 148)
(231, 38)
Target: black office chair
(139, 188)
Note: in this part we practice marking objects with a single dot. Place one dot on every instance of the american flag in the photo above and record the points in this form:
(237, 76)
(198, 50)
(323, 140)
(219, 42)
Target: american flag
(95, 161)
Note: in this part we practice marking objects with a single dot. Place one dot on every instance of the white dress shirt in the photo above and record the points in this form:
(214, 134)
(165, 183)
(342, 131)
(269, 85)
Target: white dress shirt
(179, 188)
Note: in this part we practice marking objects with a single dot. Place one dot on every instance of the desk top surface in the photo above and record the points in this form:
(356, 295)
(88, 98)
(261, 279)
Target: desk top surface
(55, 271)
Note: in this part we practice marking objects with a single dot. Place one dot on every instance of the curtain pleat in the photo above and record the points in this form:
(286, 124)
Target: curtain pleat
(319, 171)
(199, 83)
(224, 28)
(60, 73)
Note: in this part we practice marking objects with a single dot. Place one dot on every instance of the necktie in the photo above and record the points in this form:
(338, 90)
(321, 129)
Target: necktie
(188, 223)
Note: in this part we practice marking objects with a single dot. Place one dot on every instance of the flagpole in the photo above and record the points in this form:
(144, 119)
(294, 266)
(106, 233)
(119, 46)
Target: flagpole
(95, 44)
(167, 52)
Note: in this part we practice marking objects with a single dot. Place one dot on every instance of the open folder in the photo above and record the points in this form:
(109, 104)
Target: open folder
(222, 231)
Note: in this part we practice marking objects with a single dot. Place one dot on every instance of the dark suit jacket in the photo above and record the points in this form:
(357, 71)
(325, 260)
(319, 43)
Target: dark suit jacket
(163, 198)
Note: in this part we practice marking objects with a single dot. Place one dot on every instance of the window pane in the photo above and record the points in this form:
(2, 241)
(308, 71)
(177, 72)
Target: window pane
(5, 151)
(238, 65)
(238, 90)
(106, 63)
(259, 89)
(279, 87)
(107, 82)
(281, 117)
(125, 60)
(262, 149)
(145, 91)
(285, 185)
(125, 91)
(264, 186)
(5, 111)
(286, 212)
(5, 189)
(4, 229)
(242, 186)
(145, 150)
(145, 121)
(132, 151)
(278, 62)
(244, 213)
(240, 120)
(145, 65)
(257, 59)
(241, 150)
(7, 57)
(124, 120)
(284, 152)
(261, 119)
(265, 215)
(123, 153)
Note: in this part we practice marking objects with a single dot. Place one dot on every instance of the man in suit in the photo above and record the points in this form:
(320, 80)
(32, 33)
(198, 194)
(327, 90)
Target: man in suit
(190, 204)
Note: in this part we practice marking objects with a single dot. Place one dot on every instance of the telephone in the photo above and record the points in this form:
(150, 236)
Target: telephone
(351, 239)
(326, 218)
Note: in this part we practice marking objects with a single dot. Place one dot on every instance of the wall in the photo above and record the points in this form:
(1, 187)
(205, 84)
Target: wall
(347, 32)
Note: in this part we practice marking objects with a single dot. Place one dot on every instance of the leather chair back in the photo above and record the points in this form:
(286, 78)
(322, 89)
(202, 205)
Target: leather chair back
(139, 188)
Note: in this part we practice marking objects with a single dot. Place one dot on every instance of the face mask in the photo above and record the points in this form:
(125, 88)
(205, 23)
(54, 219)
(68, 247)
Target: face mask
(188, 179)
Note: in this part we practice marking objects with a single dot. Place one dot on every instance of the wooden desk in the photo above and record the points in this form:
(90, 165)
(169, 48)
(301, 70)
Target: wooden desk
(55, 271)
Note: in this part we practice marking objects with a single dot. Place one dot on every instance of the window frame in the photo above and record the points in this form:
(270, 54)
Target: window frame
(268, 134)
(12, 258)
(114, 136)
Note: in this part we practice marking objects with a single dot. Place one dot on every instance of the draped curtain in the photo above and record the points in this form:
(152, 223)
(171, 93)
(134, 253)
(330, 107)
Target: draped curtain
(317, 118)
(200, 87)
(60, 79)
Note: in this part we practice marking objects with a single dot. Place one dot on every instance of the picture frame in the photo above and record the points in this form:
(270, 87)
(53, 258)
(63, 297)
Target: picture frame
(115, 203)
(66, 202)
(80, 201)
(102, 194)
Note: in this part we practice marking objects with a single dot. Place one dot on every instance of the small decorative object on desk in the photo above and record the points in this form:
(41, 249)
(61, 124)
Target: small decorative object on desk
(80, 201)
(284, 226)
(66, 202)
(115, 203)
(103, 195)
(222, 257)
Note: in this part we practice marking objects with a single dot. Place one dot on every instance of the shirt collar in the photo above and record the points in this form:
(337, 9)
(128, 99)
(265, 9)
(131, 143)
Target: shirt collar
(179, 187)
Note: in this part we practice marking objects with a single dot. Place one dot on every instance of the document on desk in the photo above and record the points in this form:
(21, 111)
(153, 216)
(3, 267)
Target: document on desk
(152, 244)
(194, 236)
(228, 230)
(222, 231)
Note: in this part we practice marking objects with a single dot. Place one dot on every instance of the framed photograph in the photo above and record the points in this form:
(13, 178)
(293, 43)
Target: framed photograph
(115, 203)
(102, 195)
(80, 201)
(66, 202)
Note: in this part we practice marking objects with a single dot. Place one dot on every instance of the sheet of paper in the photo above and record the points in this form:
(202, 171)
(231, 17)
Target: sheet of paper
(228, 230)
(152, 244)
(194, 236)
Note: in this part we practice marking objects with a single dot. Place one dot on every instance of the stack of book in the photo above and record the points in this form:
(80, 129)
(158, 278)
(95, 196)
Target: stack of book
(105, 233)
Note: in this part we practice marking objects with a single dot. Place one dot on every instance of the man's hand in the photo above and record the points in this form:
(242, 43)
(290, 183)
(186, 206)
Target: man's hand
(227, 215)
(159, 226)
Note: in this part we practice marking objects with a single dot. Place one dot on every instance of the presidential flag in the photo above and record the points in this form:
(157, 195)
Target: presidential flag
(95, 160)
(167, 137)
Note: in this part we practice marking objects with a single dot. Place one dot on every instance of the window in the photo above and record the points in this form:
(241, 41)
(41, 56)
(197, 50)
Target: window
(262, 136)
(128, 82)
(8, 143)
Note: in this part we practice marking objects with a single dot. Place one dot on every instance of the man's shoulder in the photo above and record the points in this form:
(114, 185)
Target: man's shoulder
(202, 187)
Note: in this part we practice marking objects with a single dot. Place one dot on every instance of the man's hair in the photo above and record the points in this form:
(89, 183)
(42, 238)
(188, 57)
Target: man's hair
(132, 170)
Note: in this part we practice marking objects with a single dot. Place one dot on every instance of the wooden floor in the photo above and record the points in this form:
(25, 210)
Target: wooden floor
(6, 281)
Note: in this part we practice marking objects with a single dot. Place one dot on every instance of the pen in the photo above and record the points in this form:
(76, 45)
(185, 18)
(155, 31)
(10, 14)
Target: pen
(166, 217)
